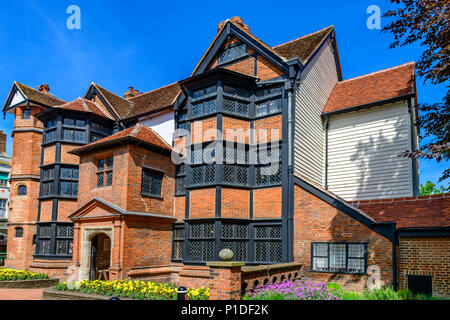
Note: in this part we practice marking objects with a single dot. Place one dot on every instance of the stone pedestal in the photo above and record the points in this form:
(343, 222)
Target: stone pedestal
(225, 280)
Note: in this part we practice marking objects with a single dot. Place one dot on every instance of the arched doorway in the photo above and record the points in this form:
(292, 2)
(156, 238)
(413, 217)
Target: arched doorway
(100, 257)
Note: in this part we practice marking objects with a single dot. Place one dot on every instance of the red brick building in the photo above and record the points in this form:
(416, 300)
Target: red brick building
(263, 150)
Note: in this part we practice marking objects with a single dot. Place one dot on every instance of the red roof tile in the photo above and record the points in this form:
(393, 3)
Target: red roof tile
(81, 104)
(137, 132)
(373, 87)
(153, 100)
(411, 212)
(303, 47)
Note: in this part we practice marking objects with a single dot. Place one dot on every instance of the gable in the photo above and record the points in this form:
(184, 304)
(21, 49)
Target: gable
(244, 50)
(238, 56)
(95, 209)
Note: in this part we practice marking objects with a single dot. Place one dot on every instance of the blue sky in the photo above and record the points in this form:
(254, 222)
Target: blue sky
(149, 44)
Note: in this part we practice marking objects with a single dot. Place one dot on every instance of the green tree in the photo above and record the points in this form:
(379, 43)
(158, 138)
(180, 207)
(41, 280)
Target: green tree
(430, 188)
(427, 22)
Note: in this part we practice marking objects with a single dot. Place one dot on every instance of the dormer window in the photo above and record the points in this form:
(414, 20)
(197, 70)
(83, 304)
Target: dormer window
(105, 172)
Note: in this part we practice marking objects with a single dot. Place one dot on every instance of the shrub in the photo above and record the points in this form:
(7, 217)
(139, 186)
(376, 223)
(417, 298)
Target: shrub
(350, 295)
(386, 293)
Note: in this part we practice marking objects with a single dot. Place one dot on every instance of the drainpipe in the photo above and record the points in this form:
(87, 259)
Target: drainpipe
(327, 123)
(394, 256)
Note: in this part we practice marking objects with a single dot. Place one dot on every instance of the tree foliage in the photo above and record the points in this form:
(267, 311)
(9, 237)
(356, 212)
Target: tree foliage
(427, 22)
(429, 188)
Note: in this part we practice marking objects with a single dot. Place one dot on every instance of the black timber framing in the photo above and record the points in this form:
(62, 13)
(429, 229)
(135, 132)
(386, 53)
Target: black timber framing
(231, 29)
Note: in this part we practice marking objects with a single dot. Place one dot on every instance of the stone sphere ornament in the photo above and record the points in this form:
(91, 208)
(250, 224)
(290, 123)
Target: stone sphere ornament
(226, 254)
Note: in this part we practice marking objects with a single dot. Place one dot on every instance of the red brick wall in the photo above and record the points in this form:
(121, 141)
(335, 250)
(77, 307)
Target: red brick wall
(425, 256)
(46, 210)
(268, 129)
(87, 186)
(49, 154)
(180, 208)
(139, 158)
(235, 203)
(146, 242)
(67, 157)
(317, 221)
(23, 210)
(267, 70)
(66, 208)
(203, 130)
(267, 203)
(202, 203)
(236, 130)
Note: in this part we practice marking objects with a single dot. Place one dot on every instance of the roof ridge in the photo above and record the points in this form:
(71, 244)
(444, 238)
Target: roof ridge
(307, 35)
(377, 72)
(148, 92)
(37, 91)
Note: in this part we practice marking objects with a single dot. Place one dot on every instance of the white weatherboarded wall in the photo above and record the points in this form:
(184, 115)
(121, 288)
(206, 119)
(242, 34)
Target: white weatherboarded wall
(163, 123)
(316, 84)
(363, 148)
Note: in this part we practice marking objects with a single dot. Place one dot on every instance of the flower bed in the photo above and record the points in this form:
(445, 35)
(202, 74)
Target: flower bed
(134, 289)
(293, 290)
(13, 274)
(296, 290)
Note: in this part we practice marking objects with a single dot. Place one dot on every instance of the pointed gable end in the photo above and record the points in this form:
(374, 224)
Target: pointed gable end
(235, 48)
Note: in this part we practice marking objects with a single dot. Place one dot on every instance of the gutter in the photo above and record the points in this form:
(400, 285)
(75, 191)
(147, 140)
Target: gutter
(369, 105)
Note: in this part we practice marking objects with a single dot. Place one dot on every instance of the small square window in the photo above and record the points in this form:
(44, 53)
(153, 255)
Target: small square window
(26, 114)
(19, 232)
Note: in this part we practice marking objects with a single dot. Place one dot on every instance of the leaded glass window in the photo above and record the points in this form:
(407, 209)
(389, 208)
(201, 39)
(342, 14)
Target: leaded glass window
(151, 182)
(178, 242)
(339, 257)
(105, 172)
(268, 243)
(202, 243)
(69, 181)
(26, 114)
(268, 101)
(232, 52)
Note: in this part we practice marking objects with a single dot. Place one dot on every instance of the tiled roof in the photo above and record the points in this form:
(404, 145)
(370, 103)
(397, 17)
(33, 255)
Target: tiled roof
(153, 100)
(120, 105)
(303, 47)
(413, 212)
(44, 98)
(381, 85)
(81, 104)
(137, 132)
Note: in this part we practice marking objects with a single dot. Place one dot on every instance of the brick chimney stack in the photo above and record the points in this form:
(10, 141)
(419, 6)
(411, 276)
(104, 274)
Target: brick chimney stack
(44, 88)
(2, 142)
(131, 93)
(236, 20)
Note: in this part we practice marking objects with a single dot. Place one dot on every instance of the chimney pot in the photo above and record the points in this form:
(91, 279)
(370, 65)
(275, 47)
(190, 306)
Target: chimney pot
(44, 88)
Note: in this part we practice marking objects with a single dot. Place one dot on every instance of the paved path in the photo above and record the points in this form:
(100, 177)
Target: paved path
(21, 294)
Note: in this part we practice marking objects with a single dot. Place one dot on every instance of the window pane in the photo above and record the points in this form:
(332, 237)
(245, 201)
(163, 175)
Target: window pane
(68, 134)
(66, 189)
(79, 136)
(75, 173)
(320, 264)
(66, 173)
(74, 189)
(101, 164)
(109, 178)
(80, 123)
(100, 179)
(337, 257)
(356, 250)
(69, 122)
(26, 114)
(320, 249)
(109, 162)
(355, 265)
